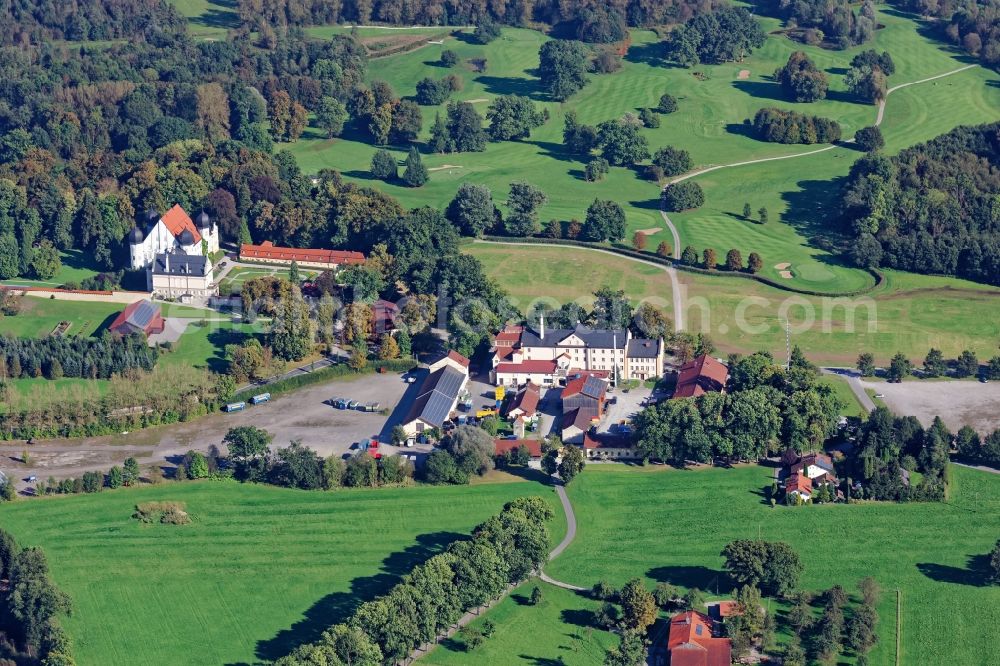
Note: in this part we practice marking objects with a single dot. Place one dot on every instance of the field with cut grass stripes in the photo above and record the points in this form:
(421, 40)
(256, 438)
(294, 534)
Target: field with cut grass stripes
(259, 569)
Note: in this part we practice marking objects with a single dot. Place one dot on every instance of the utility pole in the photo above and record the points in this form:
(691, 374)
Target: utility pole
(788, 345)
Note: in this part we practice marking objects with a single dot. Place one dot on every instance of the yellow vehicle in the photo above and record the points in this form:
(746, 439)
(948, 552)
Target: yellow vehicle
(500, 392)
(485, 412)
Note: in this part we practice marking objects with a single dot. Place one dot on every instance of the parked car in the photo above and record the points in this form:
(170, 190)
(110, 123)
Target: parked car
(352, 404)
(880, 395)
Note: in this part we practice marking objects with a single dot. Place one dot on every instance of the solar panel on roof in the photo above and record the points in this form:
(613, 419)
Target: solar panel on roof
(142, 314)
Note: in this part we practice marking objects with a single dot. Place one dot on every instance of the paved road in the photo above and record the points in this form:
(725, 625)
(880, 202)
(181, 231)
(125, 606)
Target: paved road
(853, 378)
(678, 313)
(567, 540)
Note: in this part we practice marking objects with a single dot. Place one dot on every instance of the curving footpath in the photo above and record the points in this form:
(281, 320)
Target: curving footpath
(567, 540)
(878, 121)
(675, 284)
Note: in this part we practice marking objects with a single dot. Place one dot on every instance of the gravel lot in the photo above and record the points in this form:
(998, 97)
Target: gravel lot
(959, 403)
(301, 415)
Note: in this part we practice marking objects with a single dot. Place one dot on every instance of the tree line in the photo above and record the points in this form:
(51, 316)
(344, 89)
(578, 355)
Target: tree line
(55, 357)
(929, 209)
(590, 20)
(85, 20)
(470, 573)
(723, 34)
(765, 409)
(30, 607)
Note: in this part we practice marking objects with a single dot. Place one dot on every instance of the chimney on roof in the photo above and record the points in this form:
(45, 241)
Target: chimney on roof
(541, 325)
(166, 262)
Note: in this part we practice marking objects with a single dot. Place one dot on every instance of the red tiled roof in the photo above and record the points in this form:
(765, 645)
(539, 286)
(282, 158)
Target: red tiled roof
(605, 440)
(526, 399)
(149, 321)
(821, 460)
(177, 221)
(509, 336)
(700, 376)
(528, 367)
(691, 643)
(458, 358)
(504, 445)
(268, 250)
(799, 482)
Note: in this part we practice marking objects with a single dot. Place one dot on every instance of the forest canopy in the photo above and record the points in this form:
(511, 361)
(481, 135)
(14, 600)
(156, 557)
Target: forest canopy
(933, 208)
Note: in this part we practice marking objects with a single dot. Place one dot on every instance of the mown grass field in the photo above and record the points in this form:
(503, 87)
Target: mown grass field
(559, 274)
(798, 193)
(208, 19)
(560, 627)
(909, 313)
(851, 405)
(670, 525)
(258, 570)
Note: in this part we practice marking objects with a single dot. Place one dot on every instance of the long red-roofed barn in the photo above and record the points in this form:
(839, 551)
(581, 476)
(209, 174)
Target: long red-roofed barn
(269, 253)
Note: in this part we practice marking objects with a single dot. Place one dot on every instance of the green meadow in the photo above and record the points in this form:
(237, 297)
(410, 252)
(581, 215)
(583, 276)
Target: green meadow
(670, 525)
(713, 103)
(553, 274)
(258, 571)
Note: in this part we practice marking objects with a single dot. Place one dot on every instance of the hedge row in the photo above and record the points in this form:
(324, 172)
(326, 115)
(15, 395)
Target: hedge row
(665, 261)
(322, 375)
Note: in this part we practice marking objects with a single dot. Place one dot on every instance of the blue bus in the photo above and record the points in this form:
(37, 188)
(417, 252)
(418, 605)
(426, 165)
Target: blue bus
(235, 407)
(257, 399)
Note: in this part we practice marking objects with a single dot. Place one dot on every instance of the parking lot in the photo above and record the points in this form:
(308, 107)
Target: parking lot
(624, 407)
(303, 415)
(957, 402)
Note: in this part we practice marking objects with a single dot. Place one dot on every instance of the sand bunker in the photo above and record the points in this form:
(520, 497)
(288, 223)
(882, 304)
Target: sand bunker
(743, 75)
(651, 230)
(478, 100)
(786, 274)
(781, 267)
(445, 166)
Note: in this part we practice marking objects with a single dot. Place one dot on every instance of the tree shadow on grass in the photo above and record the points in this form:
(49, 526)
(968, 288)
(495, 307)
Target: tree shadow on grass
(219, 338)
(512, 85)
(691, 576)
(579, 617)
(541, 661)
(761, 90)
(813, 210)
(647, 54)
(976, 572)
(339, 606)
(554, 150)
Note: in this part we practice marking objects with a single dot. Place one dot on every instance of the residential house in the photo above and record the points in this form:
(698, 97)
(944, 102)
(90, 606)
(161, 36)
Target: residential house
(384, 314)
(815, 466)
(139, 317)
(326, 260)
(700, 376)
(691, 642)
(180, 276)
(438, 396)
(549, 356)
(525, 404)
(173, 232)
(798, 485)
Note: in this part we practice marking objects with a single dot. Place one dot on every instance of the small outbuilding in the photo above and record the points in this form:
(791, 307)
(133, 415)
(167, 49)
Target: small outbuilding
(139, 317)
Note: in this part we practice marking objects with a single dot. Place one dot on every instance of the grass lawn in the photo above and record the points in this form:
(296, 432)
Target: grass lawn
(670, 525)
(712, 107)
(553, 274)
(560, 628)
(204, 346)
(259, 569)
(39, 317)
(208, 18)
(237, 276)
(76, 267)
(852, 407)
(909, 313)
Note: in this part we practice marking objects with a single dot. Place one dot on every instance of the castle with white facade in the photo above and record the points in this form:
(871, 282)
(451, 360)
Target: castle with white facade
(173, 233)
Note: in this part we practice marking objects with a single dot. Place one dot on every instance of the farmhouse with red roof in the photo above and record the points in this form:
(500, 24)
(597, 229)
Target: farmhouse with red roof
(328, 260)
(700, 376)
(691, 643)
